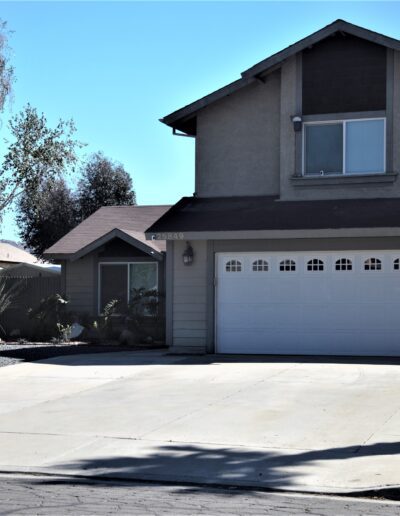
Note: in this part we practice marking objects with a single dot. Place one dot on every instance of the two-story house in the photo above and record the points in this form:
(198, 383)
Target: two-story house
(291, 241)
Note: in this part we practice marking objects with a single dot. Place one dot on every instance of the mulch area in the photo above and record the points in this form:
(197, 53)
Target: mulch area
(14, 352)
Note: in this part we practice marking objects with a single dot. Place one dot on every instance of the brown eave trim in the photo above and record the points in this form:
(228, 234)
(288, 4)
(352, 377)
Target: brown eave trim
(336, 26)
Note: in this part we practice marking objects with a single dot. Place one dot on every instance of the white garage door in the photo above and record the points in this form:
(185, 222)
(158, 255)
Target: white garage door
(308, 303)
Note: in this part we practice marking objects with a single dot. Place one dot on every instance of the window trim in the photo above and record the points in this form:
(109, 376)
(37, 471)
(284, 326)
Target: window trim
(255, 263)
(128, 278)
(344, 122)
(377, 258)
(238, 262)
(309, 262)
(348, 259)
(284, 262)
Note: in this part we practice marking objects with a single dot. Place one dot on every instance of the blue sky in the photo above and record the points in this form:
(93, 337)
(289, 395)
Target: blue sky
(116, 68)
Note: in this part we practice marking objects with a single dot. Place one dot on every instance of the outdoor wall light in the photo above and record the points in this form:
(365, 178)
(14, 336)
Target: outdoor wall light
(297, 123)
(188, 255)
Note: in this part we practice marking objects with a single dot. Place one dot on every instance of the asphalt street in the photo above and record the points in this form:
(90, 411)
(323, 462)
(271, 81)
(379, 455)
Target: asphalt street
(35, 495)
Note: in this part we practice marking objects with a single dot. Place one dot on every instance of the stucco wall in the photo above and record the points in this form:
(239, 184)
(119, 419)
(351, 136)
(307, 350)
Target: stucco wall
(237, 143)
(188, 287)
(246, 144)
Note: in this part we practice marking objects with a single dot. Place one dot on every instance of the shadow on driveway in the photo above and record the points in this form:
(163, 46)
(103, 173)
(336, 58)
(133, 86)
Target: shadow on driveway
(84, 355)
(232, 466)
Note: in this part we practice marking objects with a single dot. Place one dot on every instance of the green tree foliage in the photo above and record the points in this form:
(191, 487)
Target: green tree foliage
(37, 153)
(46, 214)
(49, 210)
(103, 183)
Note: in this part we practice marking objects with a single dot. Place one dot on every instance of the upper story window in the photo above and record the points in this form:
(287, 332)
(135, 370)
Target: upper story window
(344, 147)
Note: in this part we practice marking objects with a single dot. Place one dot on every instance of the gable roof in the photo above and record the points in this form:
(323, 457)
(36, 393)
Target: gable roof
(184, 119)
(13, 254)
(125, 222)
(26, 270)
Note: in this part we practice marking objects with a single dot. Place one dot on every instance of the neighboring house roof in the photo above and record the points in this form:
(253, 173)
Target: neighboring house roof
(13, 254)
(125, 222)
(194, 214)
(184, 119)
(27, 270)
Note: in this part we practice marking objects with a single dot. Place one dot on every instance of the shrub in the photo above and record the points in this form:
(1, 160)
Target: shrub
(7, 295)
(145, 314)
(51, 318)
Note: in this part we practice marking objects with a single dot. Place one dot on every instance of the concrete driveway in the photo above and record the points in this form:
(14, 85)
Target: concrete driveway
(282, 423)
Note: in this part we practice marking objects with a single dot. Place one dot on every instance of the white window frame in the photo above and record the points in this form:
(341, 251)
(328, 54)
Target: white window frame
(373, 271)
(313, 271)
(284, 260)
(128, 276)
(347, 271)
(239, 262)
(344, 122)
(265, 263)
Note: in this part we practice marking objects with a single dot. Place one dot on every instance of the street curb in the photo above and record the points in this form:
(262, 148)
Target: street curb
(388, 493)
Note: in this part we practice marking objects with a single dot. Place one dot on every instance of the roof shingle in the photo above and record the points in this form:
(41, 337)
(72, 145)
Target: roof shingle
(132, 220)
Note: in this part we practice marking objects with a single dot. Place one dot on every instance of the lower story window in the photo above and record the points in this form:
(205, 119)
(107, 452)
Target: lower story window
(121, 281)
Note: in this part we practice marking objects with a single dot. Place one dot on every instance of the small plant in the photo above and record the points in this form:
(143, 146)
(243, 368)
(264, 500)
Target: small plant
(51, 316)
(109, 310)
(64, 331)
(145, 314)
(7, 296)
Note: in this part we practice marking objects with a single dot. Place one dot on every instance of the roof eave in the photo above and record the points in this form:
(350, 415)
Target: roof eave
(188, 112)
(114, 233)
(336, 26)
(179, 117)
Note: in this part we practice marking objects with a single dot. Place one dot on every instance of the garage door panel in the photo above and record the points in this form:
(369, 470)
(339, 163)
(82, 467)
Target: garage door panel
(247, 316)
(324, 312)
(287, 289)
(371, 287)
(315, 289)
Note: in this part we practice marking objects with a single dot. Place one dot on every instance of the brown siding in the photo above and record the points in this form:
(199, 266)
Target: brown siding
(343, 74)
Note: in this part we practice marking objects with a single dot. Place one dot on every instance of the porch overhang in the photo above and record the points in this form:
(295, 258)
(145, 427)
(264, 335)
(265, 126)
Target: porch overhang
(128, 237)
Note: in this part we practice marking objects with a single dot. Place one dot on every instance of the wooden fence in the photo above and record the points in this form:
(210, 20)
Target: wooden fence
(29, 293)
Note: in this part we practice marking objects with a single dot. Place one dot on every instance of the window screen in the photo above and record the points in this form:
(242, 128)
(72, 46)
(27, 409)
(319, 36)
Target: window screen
(142, 275)
(345, 147)
(365, 146)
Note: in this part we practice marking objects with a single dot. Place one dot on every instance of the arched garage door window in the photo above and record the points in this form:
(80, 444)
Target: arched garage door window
(233, 266)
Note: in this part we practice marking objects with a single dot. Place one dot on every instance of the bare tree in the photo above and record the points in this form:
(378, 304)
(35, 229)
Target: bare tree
(7, 76)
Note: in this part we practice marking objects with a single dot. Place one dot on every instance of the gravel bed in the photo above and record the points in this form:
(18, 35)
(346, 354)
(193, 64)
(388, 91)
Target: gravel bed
(5, 361)
(12, 353)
